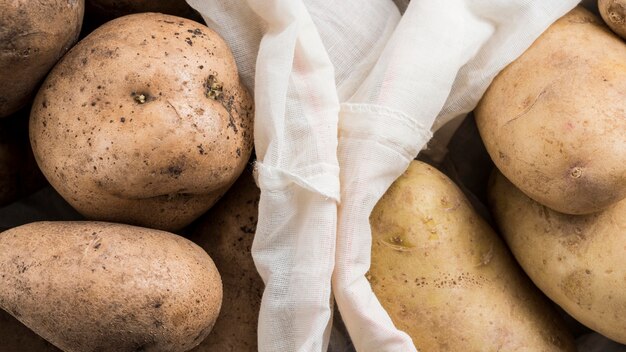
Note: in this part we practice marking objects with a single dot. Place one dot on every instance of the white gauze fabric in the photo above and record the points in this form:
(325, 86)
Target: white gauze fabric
(397, 80)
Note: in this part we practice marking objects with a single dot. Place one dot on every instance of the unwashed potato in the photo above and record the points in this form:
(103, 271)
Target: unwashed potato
(553, 120)
(226, 233)
(445, 277)
(16, 337)
(613, 12)
(92, 286)
(144, 122)
(33, 36)
(577, 260)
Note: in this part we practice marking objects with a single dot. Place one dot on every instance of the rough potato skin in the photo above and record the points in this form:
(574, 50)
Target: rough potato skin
(226, 232)
(553, 120)
(576, 260)
(445, 277)
(144, 122)
(613, 13)
(92, 286)
(33, 36)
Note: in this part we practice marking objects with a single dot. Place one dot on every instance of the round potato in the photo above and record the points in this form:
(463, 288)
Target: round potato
(577, 260)
(613, 12)
(226, 232)
(33, 37)
(91, 286)
(445, 277)
(553, 120)
(144, 122)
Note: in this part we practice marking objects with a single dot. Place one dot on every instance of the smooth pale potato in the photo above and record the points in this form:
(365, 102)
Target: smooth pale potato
(577, 260)
(553, 120)
(226, 232)
(33, 37)
(613, 12)
(93, 286)
(144, 122)
(445, 277)
(16, 337)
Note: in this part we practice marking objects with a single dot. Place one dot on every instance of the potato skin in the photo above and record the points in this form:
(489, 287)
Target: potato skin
(577, 260)
(33, 36)
(446, 278)
(553, 120)
(226, 232)
(92, 286)
(613, 13)
(132, 125)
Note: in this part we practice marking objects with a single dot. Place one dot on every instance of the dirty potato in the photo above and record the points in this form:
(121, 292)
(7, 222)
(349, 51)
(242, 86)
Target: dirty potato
(445, 277)
(33, 37)
(553, 120)
(577, 260)
(92, 286)
(144, 122)
(226, 232)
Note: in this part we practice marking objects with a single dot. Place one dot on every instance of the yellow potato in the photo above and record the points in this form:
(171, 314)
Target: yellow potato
(226, 233)
(144, 122)
(577, 260)
(446, 278)
(93, 286)
(553, 120)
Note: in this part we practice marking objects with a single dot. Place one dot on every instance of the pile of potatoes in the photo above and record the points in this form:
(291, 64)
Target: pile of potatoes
(144, 128)
(142, 125)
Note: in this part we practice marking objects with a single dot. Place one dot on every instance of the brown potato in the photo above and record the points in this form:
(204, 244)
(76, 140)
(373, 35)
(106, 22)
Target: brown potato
(577, 260)
(144, 122)
(90, 286)
(445, 277)
(226, 232)
(33, 37)
(553, 120)
(613, 13)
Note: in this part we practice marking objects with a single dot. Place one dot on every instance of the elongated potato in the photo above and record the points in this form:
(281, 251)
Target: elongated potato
(447, 279)
(613, 12)
(577, 260)
(33, 37)
(91, 286)
(226, 232)
(144, 122)
(553, 120)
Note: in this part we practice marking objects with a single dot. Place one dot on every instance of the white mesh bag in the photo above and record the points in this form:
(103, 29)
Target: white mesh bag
(347, 93)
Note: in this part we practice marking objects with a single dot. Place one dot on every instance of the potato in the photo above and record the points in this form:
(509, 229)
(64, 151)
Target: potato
(613, 12)
(553, 120)
(577, 260)
(144, 122)
(15, 337)
(93, 286)
(445, 277)
(226, 233)
(33, 36)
